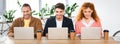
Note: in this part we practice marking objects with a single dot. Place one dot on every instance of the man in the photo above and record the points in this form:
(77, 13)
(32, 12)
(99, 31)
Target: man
(26, 21)
(59, 20)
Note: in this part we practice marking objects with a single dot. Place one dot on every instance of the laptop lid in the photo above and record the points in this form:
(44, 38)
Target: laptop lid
(23, 33)
(90, 33)
(57, 33)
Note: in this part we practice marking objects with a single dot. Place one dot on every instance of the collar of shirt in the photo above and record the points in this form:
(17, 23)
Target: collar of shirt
(59, 23)
(87, 24)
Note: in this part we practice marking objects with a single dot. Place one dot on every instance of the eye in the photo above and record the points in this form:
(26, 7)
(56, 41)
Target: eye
(60, 11)
(56, 11)
(27, 11)
(23, 11)
(85, 11)
(89, 11)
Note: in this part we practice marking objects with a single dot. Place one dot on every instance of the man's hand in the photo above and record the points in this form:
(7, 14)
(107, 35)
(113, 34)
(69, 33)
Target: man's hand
(10, 34)
(46, 34)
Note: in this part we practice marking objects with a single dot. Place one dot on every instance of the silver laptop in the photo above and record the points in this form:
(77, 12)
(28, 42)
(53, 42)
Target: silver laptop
(57, 33)
(23, 33)
(91, 33)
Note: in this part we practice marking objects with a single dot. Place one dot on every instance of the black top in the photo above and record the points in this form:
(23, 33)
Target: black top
(51, 22)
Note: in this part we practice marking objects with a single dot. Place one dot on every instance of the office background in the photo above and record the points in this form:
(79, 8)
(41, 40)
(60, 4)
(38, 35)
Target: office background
(107, 10)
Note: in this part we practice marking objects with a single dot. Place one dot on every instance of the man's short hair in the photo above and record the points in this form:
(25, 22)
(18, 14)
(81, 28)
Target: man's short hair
(26, 5)
(60, 5)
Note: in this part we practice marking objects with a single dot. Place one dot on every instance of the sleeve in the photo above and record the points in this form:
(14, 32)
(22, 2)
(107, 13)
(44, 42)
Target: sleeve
(77, 29)
(99, 24)
(14, 23)
(39, 25)
(46, 28)
(71, 27)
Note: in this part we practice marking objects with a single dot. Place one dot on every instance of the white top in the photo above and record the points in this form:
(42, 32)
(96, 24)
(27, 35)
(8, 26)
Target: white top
(87, 24)
(59, 24)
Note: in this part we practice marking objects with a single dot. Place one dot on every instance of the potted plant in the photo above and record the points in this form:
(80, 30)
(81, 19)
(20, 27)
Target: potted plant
(70, 9)
(45, 11)
(50, 11)
(40, 13)
(9, 15)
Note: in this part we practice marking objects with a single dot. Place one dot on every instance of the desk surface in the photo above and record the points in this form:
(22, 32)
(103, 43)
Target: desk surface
(45, 41)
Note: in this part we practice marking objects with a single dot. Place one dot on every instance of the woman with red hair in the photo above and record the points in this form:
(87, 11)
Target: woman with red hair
(87, 17)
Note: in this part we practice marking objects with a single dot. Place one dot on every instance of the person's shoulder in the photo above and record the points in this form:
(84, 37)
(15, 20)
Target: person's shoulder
(51, 18)
(67, 18)
(98, 22)
(35, 18)
(78, 22)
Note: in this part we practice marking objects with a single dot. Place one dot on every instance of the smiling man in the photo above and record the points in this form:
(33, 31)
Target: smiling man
(59, 20)
(26, 21)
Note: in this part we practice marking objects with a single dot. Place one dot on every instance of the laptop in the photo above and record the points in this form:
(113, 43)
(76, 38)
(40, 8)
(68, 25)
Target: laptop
(90, 33)
(57, 33)
(23, 33)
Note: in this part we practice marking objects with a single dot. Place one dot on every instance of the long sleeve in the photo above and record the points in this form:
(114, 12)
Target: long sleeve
(99, 24)
(45, 28)
(71, 27)
(77, 28)
(38, 25)
(14, 23)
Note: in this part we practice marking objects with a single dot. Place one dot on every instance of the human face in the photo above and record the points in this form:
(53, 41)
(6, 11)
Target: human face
(87, 13)
(59, 13)
(26, 12)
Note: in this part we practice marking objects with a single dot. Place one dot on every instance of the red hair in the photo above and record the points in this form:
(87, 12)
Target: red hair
(85, 6)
